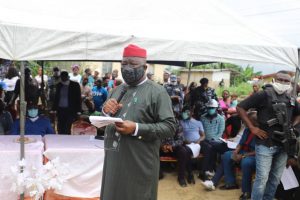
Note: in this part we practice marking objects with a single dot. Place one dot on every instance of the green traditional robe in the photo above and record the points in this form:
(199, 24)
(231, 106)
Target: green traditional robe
(131, 173)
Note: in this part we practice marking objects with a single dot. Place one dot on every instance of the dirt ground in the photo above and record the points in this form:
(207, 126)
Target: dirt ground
(169, 189)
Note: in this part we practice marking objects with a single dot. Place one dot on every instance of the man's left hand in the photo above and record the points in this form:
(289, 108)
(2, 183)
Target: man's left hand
(291, 162)
(125, 127)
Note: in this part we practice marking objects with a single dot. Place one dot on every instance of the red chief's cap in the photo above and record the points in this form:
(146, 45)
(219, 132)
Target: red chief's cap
(134, 51)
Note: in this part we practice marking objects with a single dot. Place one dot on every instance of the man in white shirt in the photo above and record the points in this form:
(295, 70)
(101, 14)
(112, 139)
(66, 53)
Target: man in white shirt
(38, 78)
(75, 76)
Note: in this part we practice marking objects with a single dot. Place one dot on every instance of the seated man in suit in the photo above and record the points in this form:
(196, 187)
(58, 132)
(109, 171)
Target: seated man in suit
(34, 124)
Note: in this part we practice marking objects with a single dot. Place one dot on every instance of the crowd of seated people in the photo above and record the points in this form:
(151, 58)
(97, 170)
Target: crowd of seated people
(204, 122)
(210, 126)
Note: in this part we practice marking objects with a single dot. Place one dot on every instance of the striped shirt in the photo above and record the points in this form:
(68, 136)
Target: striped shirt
(213, 128)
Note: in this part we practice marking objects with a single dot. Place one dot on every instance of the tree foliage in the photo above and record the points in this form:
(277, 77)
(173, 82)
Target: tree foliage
(34, 66)
(242, 90)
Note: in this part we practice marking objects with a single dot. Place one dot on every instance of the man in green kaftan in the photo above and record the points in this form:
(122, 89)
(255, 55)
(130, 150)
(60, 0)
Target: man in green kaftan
(131, 165)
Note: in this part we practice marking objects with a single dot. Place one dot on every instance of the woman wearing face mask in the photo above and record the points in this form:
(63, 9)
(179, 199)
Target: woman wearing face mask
(34, 124)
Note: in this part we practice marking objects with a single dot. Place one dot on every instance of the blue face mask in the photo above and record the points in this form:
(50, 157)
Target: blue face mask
(212, 111)
(185, 115)
(32, 113)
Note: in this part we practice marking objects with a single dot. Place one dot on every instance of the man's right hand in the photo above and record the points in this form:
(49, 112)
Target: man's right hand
(164, 148)
(259, 133)
(111, 106)
(167, 148)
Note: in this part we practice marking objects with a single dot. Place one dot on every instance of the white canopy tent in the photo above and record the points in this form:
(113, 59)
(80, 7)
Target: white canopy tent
(171, 30)
(279, 17)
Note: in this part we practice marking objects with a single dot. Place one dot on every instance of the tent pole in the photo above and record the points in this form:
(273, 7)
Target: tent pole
(296, 77)
(189, 66)
(22, 116)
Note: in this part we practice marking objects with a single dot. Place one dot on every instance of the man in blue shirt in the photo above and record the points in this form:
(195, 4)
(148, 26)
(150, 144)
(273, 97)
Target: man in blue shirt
(99, 95)
(34, 124)
(193, 134)
(192, 129)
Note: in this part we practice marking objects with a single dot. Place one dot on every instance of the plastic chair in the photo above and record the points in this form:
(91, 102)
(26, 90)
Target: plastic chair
(81, 127)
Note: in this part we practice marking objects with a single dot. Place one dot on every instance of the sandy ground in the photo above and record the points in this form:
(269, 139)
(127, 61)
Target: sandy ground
(169, 189)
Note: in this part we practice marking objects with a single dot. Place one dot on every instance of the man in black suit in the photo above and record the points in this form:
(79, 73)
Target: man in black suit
(31, 89)
(67, 103)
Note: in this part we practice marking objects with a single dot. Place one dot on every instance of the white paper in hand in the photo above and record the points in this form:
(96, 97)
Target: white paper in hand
(223, 140)
(100, 121)
(195, 149)
(289, 179)
(230, 144)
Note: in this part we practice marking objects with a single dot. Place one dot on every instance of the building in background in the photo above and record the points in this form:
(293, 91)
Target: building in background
(267, 78)
(108, 67)
(215, 76)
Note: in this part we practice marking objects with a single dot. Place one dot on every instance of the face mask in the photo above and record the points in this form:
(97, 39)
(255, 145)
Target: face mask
(84, 83)
(173, 83)
(281, 88)
(185, 115)
(32, 113)
(132, 75)
(99, 86)
(212, 111)
(56, 73)
(65, 82)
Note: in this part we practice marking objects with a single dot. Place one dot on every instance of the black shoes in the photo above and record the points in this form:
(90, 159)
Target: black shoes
(245, 196)
(182, 182)
(203, 177)
(229, 187)
(190, 179)
(161, 175)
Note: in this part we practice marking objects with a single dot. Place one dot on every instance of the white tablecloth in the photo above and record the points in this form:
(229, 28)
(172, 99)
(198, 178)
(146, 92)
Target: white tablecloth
(85, 160)
(10, 155)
